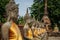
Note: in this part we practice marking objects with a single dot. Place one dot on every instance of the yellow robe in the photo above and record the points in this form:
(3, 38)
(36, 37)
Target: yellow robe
(29, 34)
(14, 32)
(35, 32)
(42, 30)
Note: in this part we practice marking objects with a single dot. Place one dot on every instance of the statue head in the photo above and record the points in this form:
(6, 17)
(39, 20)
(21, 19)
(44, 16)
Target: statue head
(12, 10)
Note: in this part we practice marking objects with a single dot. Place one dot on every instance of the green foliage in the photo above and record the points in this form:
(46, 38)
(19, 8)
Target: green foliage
(37, 9)
(21, 20)
(2, 10)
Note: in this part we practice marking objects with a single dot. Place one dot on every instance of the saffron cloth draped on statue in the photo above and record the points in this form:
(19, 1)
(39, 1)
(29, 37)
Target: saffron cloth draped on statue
(14, 32)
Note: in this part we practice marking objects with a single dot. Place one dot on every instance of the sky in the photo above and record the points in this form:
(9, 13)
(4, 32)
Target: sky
(23, 5)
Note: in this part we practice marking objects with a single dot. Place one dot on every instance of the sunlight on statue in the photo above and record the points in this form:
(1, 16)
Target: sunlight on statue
(56, 29)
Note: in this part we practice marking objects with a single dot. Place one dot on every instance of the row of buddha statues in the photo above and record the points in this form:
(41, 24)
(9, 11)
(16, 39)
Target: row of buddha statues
(31, 32)
(34, 28)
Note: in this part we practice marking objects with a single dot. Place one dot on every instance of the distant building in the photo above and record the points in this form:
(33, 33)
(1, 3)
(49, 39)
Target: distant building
(45, 19)
(27, 17)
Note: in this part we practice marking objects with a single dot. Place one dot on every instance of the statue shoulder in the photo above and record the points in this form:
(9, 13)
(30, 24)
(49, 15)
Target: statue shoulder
(5, 30)
(7, 24)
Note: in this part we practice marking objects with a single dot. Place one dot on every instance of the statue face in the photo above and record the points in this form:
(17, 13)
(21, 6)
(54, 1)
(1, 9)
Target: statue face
(13, 16)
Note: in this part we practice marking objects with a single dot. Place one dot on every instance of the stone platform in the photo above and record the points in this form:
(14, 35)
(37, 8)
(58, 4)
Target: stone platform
(53, 38)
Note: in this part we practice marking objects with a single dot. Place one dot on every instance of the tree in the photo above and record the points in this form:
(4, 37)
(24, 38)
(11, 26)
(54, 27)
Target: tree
(21, 20)
(2, 10)
(53, 9)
